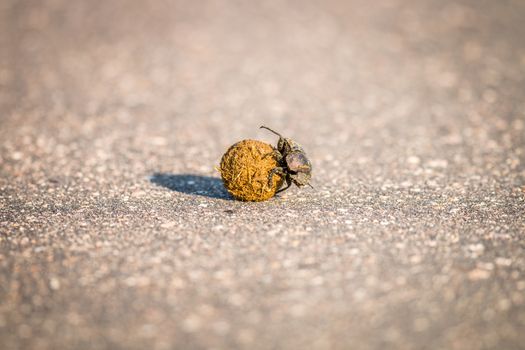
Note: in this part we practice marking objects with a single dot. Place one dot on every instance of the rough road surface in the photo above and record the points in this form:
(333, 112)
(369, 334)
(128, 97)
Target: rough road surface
(116, 233)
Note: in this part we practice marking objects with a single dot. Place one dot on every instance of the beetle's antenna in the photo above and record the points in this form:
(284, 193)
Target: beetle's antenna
(312, 187)
(267, 128)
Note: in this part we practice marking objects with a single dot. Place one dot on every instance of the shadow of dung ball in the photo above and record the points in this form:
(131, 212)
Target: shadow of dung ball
(245, 168)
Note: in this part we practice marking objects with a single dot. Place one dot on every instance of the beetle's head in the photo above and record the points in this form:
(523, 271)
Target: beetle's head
(299, 167)
(301, 179)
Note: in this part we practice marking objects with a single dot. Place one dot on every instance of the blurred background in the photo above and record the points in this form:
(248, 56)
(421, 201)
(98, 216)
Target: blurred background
(115, 231)
(193, 77)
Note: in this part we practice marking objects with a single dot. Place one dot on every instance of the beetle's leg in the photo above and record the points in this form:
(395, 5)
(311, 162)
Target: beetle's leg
(288, 184)
(278, 171)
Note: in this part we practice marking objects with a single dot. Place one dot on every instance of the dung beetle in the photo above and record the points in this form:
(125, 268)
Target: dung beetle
(293, 163)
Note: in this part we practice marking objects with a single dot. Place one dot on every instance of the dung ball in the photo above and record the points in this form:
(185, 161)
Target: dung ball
(245, 168)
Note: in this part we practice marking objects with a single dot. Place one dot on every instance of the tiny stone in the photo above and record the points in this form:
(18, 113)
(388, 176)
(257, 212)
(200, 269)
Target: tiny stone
(503, 261)
(169, 224)
(413, 160)
(478, 274)
(192, 323)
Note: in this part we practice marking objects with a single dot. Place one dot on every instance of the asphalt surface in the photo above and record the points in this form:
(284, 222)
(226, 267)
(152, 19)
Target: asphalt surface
(116, 233)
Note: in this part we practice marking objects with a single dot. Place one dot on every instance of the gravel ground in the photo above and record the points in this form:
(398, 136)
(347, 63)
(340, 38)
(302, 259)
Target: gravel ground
(116, 232)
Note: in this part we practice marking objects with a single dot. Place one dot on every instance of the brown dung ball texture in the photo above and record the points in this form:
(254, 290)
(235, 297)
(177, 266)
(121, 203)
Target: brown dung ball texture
(245, 168)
